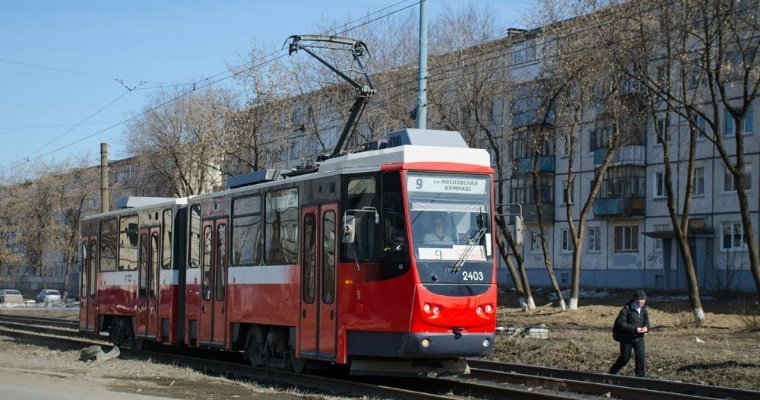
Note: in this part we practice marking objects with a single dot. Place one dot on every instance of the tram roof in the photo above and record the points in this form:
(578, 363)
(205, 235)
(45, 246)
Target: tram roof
(407, 154)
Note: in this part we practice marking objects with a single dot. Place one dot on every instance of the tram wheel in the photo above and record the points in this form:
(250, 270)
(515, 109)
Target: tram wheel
(298, 365)
(254, 348)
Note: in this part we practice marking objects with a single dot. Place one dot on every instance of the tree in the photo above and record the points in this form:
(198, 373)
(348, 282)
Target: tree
(181, 137)
(74, 188)
(11, 255)
(40, 226)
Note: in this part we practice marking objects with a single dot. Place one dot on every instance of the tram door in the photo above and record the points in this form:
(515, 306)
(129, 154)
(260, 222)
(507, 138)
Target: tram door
(88, 280)
(213, 319)
(318, 280)
(147, 291)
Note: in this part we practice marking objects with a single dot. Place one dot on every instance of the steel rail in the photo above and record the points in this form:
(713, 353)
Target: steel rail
(233, 369)
(661, 386)
(62, 323)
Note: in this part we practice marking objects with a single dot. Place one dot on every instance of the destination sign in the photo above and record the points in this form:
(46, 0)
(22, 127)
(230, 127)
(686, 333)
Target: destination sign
(445, 184)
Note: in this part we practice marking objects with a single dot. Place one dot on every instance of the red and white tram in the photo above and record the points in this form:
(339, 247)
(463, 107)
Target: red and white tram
(381, 259)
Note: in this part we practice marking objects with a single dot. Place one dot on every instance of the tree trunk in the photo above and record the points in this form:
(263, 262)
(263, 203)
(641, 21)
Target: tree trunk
(516, 279)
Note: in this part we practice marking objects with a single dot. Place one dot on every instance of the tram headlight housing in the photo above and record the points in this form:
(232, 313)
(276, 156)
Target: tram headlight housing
(431, 309)
(486, 343)
(425, 343)
(482, 310)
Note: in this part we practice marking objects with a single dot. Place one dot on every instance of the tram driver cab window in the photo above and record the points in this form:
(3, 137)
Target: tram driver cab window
(393, 222)
(362, 195)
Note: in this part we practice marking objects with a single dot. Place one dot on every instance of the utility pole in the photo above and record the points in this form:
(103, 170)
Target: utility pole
(422, 79)
(104, 200)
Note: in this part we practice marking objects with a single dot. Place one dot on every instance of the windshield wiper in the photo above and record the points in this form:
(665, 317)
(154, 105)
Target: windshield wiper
(471, 242)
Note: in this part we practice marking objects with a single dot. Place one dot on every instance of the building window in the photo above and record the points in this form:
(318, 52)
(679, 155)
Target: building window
(701, 128)
(658, 242)
(626, 239)
(567, 193)
(661, 130)
(659, 185)
(733, 237)
(699, 182)
(567, 242)
(729, 127)
(535, 244)
(594, 239)
(729, 183)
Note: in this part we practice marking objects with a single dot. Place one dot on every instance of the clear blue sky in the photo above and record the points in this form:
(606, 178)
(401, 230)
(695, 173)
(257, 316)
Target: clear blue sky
(60, 60)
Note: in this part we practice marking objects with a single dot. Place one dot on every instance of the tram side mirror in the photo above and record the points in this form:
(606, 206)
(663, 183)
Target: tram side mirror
(349, 228)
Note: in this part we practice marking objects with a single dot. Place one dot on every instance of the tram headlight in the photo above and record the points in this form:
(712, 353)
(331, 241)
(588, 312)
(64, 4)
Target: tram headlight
(431, 309)
(425, 343)
(489, 308)
(486, 343)
(479, 310)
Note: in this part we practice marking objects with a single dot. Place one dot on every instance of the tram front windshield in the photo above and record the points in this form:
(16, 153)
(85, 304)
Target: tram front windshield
(450, 216)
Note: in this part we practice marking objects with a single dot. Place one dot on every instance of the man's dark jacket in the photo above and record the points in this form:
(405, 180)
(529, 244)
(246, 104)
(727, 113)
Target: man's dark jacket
(627, 322)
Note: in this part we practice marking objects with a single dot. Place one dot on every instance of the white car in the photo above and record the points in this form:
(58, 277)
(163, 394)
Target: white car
(10, 296)
(48, 296)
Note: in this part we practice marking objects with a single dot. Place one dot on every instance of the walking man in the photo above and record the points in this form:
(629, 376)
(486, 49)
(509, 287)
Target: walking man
(630, 327)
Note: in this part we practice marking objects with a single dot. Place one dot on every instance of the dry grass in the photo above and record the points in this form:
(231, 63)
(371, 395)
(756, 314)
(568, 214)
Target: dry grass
(724, 350)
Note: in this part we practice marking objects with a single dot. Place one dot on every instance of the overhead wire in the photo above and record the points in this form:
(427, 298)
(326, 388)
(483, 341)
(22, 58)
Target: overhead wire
(237, 70)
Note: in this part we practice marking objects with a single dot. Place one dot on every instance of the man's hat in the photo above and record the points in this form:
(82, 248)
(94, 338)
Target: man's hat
(639, 294)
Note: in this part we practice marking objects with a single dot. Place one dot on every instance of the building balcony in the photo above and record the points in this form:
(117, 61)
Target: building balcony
(543, 164)
(530, 118)
(622, 206)
(530, 213)
(627, 155)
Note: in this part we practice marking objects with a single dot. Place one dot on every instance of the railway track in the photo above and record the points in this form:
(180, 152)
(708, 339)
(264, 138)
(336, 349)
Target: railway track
(488, 380)
(614, 386)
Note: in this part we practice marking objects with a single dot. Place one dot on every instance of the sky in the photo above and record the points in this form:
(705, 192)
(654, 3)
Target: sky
(73, 72)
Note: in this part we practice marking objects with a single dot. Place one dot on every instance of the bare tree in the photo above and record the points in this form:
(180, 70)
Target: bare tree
(181, 137)
(74, 189)
(11, 255)
(40, 226)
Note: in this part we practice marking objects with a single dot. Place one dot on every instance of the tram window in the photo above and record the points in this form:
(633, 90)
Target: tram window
(394, 224)
(108, 232)
(166, 239)
(221, 260)
(282, 226)
(246, 231)
(362, 192)
(128, 243)
(154, 275)
(309, 259)
(84, 270)
(93, 265)
(143, 264)
(194, 244)
(328, 257)
(206, 284)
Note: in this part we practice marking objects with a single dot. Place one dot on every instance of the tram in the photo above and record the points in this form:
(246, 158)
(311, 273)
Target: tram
(381, 260)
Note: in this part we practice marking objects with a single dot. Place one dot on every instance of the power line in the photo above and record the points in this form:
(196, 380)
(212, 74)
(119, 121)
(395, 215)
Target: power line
(123, 82)
(197, 85)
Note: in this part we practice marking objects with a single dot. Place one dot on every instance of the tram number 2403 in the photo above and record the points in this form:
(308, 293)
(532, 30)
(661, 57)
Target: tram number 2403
(472, 275)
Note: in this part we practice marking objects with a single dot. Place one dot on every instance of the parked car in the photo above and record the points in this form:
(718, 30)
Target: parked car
(10, 296)
(48, 296)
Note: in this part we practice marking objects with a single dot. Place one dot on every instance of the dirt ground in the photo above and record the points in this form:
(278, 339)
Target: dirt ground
(33, 371)
(724, 351)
